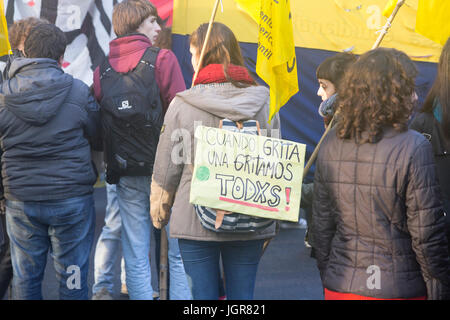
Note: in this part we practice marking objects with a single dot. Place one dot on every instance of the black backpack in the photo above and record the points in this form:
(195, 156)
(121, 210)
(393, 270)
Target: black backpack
(132, 117)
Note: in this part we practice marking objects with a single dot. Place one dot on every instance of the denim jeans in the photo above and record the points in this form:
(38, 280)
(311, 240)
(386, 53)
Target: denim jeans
(108, 248)
(66, 228)
(133, 195)
(240, 262)
(178, 282)
(108, 251)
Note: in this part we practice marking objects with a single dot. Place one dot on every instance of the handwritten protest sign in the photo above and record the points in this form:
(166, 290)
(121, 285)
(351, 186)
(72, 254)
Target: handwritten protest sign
(248, 174)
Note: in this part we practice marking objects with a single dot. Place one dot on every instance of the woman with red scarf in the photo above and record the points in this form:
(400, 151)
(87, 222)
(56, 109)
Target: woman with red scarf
(223, 89)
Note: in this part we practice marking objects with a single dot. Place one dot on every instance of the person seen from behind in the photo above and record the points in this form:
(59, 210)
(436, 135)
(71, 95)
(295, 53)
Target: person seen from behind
(48, 123)
(134, 87)
(223, 89)
(18, 32)
(378, 220)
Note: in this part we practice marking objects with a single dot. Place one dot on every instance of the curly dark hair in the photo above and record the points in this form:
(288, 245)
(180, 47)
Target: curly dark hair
(376, 92)
(45, 41)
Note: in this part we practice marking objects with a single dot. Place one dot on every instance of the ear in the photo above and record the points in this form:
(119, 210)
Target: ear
(60, 60)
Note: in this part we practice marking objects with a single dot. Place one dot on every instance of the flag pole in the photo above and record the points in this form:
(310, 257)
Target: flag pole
(387, 26)
(377, 43)
(163, 265)
(208, 32)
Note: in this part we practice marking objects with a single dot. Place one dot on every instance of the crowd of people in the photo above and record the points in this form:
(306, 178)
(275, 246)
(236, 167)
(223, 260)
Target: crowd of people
(380, 200)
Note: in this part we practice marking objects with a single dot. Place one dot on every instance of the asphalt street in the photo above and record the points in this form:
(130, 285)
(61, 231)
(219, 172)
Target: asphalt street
(286, 271)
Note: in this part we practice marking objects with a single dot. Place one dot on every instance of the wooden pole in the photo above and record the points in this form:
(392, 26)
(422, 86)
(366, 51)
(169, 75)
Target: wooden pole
(387, 26)
(163, 265)
(316, 150)
(208, 32)
(376, 45)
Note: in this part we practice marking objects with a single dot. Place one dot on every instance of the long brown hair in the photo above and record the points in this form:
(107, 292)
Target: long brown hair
(441, 91)
(222, 48)
(376, 92)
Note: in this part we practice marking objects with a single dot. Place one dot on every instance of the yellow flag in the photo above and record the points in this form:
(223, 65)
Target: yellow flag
(276, 62)
(252, 7)
(389, 8)
(433, 20)
(5, 47)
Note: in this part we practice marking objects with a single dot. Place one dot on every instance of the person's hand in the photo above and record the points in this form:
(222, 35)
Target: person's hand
(160, 218)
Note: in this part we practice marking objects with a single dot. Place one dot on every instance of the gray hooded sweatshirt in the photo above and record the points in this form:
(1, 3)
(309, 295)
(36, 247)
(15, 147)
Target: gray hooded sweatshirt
(171, 182)
(47, 119)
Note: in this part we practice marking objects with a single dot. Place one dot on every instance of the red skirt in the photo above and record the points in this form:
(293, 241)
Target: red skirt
(333, 295)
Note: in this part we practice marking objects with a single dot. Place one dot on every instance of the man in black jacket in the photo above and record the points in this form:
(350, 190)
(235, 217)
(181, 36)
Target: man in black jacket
(48, 121)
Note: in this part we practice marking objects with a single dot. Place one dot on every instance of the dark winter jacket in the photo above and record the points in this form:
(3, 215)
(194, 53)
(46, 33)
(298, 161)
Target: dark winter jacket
(378, 212)
(47, 119)
(426, 124)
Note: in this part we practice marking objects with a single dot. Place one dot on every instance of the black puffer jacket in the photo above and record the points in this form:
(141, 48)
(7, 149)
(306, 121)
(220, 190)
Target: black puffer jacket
(426, 124)
(377, 207)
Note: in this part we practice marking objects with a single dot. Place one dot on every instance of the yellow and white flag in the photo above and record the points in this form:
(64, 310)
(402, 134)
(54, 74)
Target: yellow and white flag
(276, 62)
(433, 20)
(5, 47)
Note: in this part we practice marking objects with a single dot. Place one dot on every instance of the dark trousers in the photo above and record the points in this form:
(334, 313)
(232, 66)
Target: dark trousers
(5, 258)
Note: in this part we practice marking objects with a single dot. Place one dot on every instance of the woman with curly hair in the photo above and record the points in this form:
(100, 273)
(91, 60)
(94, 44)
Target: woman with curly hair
(378, 223)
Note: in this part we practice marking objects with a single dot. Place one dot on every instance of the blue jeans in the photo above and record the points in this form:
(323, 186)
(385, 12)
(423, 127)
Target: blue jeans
(178, 282)
(108, 248)
(133, 195)
(240, 262)
(66, 228)
(108, 251)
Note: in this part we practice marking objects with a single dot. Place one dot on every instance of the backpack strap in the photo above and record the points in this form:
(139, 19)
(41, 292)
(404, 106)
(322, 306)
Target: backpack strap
(148, 58)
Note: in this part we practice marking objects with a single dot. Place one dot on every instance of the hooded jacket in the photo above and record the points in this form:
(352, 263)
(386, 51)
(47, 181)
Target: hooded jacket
(378, 227)
(124, 55)
(47, 119)
(201, 105)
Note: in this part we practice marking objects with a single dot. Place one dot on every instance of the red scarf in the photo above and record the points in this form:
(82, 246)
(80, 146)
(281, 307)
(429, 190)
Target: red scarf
(213, 73)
